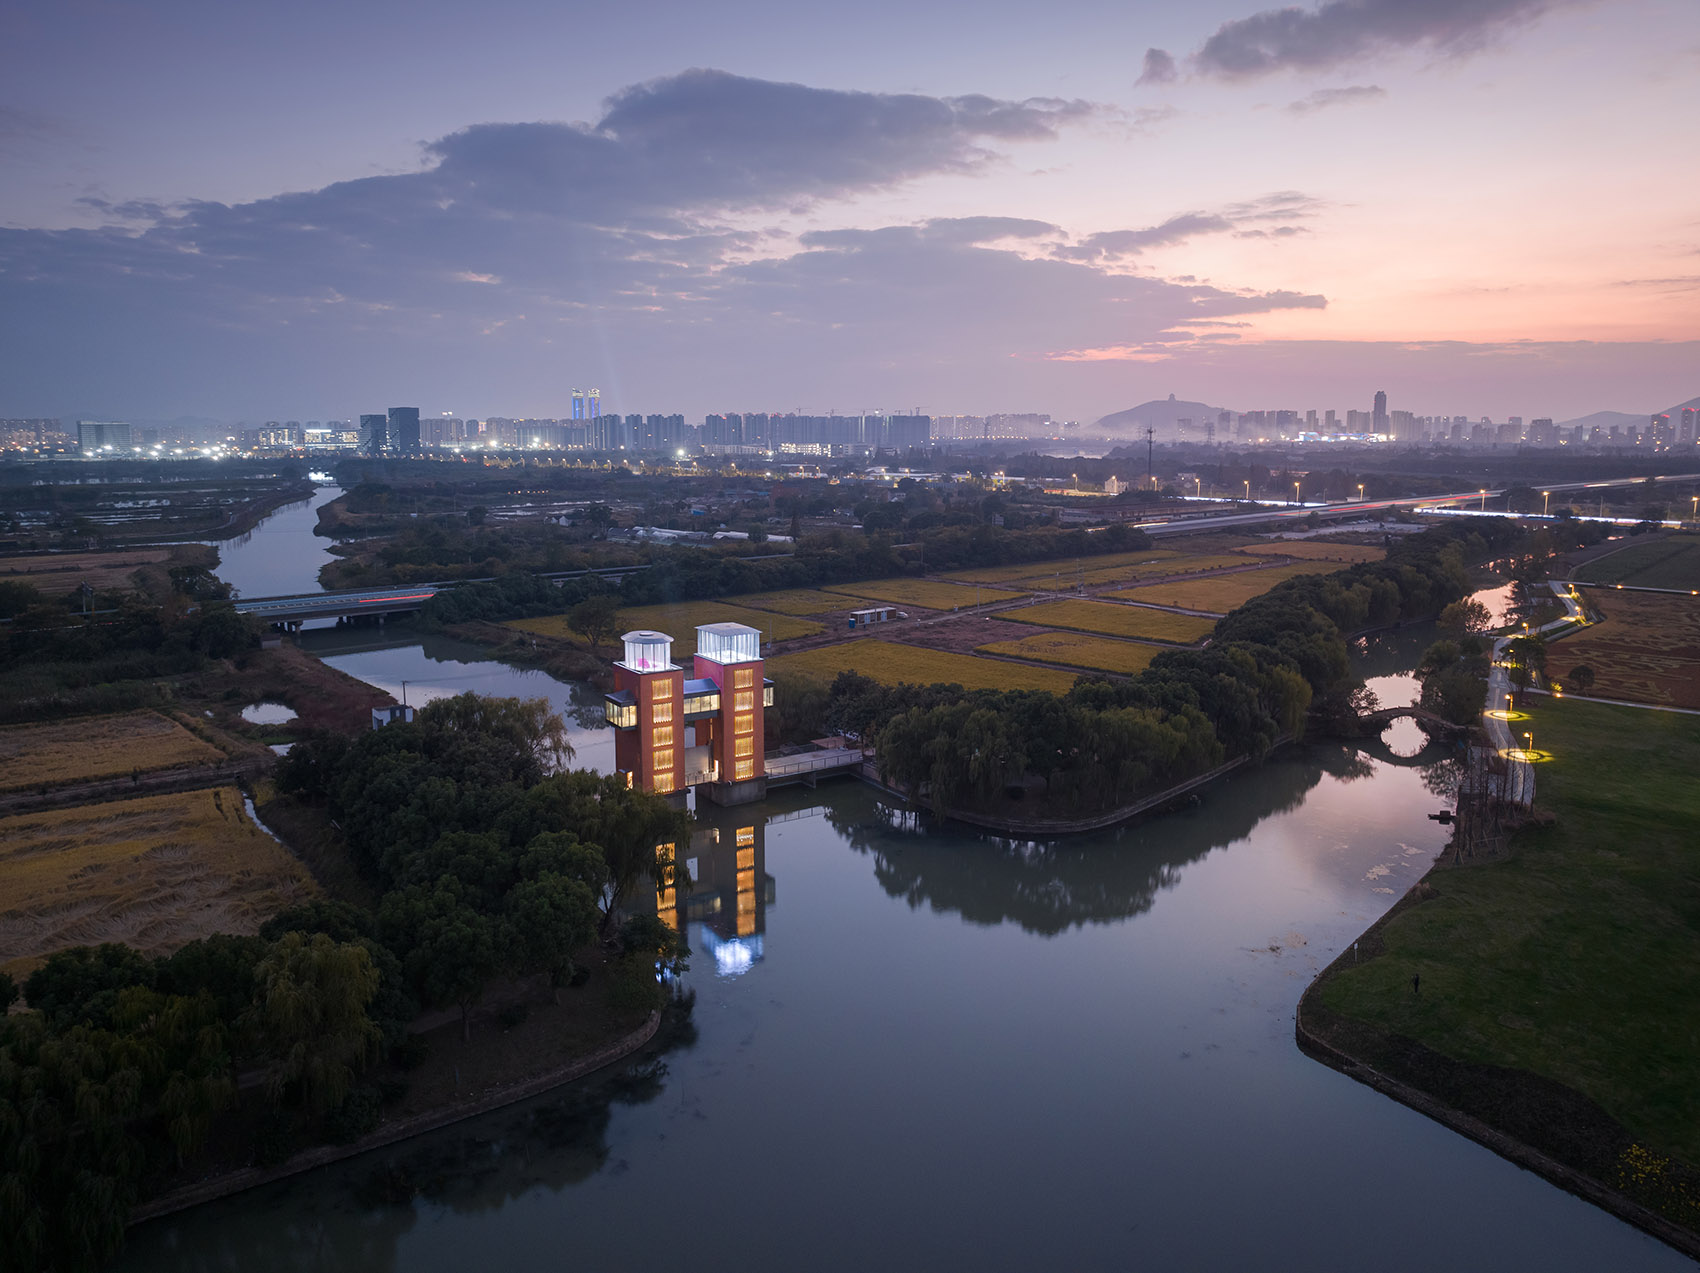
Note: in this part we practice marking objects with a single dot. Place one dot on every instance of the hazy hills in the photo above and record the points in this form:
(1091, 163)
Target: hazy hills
(1160, 414)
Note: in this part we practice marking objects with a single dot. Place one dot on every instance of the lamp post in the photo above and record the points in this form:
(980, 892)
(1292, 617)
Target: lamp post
(1295, 492)
(1694, 514)
(1484, 499)
(1545, 497)
(1360, 492)
(1528, 746)
(1248, 490)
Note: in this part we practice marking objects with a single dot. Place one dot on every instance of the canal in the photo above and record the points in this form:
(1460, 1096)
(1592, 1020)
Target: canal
(926, 1048)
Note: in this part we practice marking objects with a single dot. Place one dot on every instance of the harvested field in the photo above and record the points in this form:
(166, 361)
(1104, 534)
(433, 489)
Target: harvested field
(797, 601)
(680, 622)
(1317, 550)
(97, 747)
(1076, 649)
(58, 573)
(891, 663)
(153, 872)
(1647, 649)
(1224, 592)
(1114, 620)
(1670, 561)
(925, 593)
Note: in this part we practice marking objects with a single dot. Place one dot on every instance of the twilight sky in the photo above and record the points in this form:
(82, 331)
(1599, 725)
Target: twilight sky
(313, 210)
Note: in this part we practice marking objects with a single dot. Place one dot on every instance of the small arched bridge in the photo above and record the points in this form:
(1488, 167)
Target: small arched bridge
(1376, 721)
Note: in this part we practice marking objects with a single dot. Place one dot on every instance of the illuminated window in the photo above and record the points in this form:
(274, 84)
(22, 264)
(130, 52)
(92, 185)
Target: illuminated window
(663, 736)
(744, 702)
(660, 689)
(742, 747)
(746, 860)
(743, 678)
(664, 782)
(661, 712)
(663, 759)
(745, 724)
(744, 769)
(746, 836)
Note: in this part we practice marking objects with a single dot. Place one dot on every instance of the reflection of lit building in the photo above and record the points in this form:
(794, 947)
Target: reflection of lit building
(723, 890)
(653, 705)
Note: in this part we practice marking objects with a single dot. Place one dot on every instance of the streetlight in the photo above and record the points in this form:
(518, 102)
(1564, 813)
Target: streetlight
(1528, 746)
(1545, 496)
(1360, 492)
(1248, 490)
(1295, 492)
(1484, 499)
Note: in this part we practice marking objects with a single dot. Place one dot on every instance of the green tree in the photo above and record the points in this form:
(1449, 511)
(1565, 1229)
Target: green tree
(1581, 678)
(1465, 616)
(595, 618)
(522, 722)
(310, 1018)
(449, 949)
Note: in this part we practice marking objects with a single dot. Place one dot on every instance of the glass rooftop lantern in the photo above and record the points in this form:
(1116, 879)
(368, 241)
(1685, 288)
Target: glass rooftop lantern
(728, 642)
(648, 651)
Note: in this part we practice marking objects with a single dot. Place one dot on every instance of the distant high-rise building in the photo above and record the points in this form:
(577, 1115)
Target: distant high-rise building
(373, 433)
(1689, 426)
(404, 429)
(103, 435)
(587, 406)
(1380, 424)
(1660, 431)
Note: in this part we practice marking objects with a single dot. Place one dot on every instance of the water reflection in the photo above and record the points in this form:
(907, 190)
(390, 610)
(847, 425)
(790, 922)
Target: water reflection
(722, 895)
(281, 556)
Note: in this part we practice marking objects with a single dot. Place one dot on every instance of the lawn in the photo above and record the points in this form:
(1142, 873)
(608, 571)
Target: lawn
(1077, 649)
(1646, 650)
(1122, 621)
(923, 593)
(1317, 550)
(1669, 561)
(797, 601)
(1577, 958)
(891, 663)
(97, 747)
(1222, 593)
(153, 872)
(680, 622)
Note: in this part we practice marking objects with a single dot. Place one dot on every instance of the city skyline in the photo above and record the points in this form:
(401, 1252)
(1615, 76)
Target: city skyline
(1471, 205)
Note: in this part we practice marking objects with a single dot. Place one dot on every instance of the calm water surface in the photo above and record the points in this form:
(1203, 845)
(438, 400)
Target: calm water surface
(929, 1049)
(281, 556)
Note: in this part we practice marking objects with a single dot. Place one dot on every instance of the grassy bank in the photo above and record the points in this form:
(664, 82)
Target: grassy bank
(1560, 987)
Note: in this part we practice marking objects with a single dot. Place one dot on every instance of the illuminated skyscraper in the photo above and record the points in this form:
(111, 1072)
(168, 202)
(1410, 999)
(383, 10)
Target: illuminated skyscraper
(373, 433)
(404, 429)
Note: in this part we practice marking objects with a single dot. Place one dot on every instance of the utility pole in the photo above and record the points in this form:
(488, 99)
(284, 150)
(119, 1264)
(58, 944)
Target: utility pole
(1150, 434)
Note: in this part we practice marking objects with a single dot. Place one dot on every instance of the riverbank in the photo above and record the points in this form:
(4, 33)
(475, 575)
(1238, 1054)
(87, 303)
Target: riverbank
(477, 1102)
(1547, 1003)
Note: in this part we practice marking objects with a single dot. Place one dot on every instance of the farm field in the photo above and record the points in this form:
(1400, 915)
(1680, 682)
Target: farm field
(680, 622)
(1046, 569)
(1646, 650)
(59, 573)
(1671, 561)
(925, 593)
(1224, 592)
(1114, 620)
(153, 872)
(797, 601)
(1316, 550)
(1078, 649)
(893, 664)
(97, 747)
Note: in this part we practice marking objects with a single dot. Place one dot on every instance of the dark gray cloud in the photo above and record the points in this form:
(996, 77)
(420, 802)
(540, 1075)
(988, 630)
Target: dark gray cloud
(1342, 31)
(634, 252)
(1325, 97)
(1159, 68)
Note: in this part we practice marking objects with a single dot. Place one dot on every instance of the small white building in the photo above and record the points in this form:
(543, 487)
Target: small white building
(382, 716)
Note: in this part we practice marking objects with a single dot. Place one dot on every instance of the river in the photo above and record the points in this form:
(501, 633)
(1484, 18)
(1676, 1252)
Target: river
(281, 556)
(923, 1048)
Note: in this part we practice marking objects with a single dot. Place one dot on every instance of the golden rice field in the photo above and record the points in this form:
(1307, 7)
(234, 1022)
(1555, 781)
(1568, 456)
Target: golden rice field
(893, 664)
(925, 593)
(1076, 649)
(154, 873)
(680, 622)
(97, 747)
(797, 601)
(1221, 593)
(1316, 550)
(1113, 620)
(1044, 569)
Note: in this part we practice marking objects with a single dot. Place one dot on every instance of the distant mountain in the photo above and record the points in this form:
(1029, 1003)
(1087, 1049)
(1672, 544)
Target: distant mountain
(1604, 420)
(1163, 415)
(1671, 411)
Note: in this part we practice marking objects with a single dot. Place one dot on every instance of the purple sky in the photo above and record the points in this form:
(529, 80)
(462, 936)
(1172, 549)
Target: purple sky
(1481, 206)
